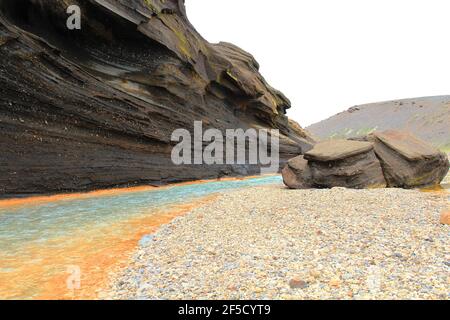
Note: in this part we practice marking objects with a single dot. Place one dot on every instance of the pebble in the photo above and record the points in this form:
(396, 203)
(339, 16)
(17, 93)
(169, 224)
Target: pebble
(335, 283)
(298, 284)
(264, 243)
(445, 217)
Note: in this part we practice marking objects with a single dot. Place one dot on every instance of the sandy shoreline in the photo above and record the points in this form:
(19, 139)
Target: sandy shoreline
(273, 243)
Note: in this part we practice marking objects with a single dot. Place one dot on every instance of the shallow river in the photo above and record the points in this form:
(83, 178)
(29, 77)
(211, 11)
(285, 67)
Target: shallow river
(48, 244)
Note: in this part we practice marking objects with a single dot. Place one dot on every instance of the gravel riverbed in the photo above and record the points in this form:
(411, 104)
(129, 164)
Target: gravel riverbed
(273, 243)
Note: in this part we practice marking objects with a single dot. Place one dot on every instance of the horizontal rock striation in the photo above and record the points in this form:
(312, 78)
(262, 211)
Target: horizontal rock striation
(96, 107)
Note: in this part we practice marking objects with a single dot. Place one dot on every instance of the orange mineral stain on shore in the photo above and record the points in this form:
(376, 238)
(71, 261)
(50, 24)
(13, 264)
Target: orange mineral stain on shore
(35, 200)
(439, 189)
(41, 272)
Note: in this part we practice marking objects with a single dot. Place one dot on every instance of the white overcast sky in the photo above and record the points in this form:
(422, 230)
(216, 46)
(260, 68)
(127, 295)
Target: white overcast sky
(329, 55)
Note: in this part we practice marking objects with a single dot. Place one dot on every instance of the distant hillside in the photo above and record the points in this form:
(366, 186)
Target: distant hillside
(428, 118)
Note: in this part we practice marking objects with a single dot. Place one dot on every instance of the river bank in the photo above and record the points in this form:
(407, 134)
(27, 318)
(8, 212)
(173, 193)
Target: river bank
(49, 245)
(271, 243)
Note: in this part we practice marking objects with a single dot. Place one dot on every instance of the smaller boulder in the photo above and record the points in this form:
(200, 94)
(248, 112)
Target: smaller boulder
(344, 163)
(407, 161)
(335, 163)
(296, 174)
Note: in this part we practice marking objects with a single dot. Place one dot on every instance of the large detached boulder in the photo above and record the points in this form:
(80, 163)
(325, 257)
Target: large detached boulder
(407, 161)
(336, 163)
(383, 159)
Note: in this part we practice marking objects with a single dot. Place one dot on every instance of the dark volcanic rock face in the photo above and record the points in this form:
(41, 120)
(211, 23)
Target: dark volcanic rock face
(96, 107)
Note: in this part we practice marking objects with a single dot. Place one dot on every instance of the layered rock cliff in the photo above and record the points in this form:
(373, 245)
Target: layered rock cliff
(96, 107)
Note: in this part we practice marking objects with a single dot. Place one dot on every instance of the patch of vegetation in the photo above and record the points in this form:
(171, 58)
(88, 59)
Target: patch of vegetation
(445, 148)
(350, 133)
(151, 5)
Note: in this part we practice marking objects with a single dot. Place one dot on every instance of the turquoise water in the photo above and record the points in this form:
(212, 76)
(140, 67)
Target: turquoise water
(38, 241)
(25, 224)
